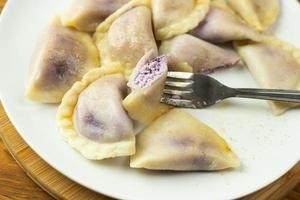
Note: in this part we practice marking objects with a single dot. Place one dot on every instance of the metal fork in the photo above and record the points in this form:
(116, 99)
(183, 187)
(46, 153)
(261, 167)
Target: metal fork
(190, 90)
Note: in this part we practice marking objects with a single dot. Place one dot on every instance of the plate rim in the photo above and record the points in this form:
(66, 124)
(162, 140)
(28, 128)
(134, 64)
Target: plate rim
(6, 10)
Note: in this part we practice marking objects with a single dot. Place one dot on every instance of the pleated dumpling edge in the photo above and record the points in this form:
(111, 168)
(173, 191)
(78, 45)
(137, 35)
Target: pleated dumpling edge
(88, 148)
(183, 25)
(258, 14)
(104, 26)
(125, 36)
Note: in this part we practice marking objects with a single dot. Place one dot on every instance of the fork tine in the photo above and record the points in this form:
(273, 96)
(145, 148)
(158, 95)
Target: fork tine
(177, 102)
(180, 75)
(179, 84)
(181, 93)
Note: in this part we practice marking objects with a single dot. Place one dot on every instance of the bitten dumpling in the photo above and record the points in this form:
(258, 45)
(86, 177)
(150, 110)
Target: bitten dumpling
(175, 17)
(146, 84)
(178, 141)
(258, 14)
(86, 15)
(212, 28)
(274, 64)
(61, 57)
(126, 35)
(201, 56)
(91, 117)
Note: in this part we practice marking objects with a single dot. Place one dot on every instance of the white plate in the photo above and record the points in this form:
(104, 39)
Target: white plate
(268, 146)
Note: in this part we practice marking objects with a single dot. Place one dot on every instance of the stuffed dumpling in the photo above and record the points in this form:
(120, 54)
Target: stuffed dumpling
(175, 17)
(201, 56)
(86, 15)
(126, 35)
(258, 14)
(274, 64)
(212, 28)
(178, 141)
(146, 84)
(61, 57)
(92, 119)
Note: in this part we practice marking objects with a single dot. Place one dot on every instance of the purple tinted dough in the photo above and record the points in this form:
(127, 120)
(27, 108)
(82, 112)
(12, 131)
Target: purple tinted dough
(63, 66)
(182, 142)
(99, 115)
(93, 126)
(203, 161)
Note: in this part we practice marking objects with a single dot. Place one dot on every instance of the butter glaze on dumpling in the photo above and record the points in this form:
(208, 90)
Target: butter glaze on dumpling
(61, 57)
(126, 35)
(212, 28)
(146, 84)
(86, 15)
(178, 141)
(258, 14)
(91, 117)
(201, 56)
(274, 64)
(175, 17)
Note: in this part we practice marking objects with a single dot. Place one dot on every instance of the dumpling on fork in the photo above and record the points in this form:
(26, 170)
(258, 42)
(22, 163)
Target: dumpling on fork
(86, 15)
(92, 119)
(274, 64)
(175, 17)
(258, 14)
(220, 15)
(202, 57)
(146, 84)
(126, 36)
(178, 141)
(61, 57)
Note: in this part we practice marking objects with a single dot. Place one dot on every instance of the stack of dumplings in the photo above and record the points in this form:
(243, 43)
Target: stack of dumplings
(106, 63)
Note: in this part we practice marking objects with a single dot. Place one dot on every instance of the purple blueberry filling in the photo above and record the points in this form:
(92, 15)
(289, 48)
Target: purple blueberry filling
(213, 70)
(145, 75)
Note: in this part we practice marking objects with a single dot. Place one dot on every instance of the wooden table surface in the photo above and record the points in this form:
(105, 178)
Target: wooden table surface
(15, 184)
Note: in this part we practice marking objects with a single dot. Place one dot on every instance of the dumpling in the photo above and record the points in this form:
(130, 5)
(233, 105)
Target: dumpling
(202, 56)
(61, 57)
(146, 84)
(274, 64)
(178, 141)
(91, 117)
(175, 17)
(258, 14)
(212, 28)
(126, 35)
(86, 15)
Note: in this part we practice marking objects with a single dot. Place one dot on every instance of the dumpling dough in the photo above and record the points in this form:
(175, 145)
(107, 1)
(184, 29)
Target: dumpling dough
(178, 141)
(61, 57)
(99, 114)
(86, 15)
(274, 64)
(146, 84)
(126, 36)
(212, 28)
(202, 56)
(175, 17)
(258, 14)
(91, 117)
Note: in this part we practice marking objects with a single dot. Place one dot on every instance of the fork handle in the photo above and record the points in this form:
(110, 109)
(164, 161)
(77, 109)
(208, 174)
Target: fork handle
(292, 96)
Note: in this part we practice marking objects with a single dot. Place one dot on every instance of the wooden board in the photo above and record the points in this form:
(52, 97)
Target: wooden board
(38, 170)
(60, 187)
